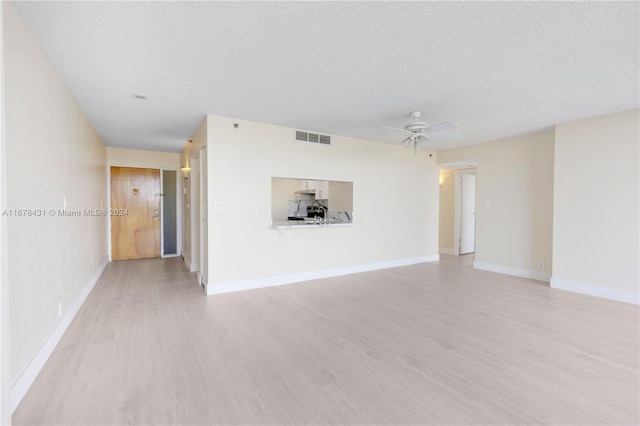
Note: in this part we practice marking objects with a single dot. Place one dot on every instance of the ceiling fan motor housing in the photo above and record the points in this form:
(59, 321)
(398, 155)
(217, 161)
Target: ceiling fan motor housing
(416, 127)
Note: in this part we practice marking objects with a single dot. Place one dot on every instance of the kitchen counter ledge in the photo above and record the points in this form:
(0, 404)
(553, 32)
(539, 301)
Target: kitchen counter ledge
(296, 224)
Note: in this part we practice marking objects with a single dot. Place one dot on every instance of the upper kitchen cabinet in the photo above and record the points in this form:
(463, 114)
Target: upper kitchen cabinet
(319, 188)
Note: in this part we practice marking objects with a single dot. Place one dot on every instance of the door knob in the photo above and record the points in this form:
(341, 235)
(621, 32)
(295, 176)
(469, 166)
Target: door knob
(156, 214)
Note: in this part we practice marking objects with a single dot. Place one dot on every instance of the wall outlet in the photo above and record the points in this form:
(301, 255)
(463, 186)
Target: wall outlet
(541, 265)
(518, 262)
(60, 309)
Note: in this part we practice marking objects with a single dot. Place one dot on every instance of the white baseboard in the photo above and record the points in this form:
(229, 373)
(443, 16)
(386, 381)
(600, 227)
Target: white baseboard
(313, 275)
(28, 376)
(516, 272)
(596, 290)
(193, 266)
(444, 250)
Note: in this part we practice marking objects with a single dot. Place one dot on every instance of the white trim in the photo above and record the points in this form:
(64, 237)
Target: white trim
(28, 376)
(313, 275)
(192, 266)
(444, 250)
(517, 272)
(595, 290)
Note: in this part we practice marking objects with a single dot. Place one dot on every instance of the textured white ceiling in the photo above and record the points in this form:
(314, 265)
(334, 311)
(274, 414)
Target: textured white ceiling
(497, 68)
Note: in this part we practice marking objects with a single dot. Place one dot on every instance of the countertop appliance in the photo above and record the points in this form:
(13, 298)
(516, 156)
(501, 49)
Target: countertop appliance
(313, 211)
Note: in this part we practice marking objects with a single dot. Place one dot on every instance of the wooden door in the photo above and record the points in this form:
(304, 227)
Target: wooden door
(135, 220)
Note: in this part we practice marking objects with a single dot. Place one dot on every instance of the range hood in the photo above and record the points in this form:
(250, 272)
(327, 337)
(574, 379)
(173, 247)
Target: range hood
(306, 191)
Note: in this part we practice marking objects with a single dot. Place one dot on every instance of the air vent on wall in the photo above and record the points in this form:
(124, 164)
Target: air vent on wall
(312, 137)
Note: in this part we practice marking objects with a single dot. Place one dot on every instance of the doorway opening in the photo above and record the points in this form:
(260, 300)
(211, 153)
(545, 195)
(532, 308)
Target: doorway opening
(169, 213)
(457, 233)
(466, 211)
(143, 213)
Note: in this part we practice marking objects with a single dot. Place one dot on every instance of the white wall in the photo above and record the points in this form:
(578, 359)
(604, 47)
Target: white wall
(52, 153)
(596, 230)
(144, 159)
(515, 182)
(5, 366)
(186, 204)
(190, 158)
(395, 203)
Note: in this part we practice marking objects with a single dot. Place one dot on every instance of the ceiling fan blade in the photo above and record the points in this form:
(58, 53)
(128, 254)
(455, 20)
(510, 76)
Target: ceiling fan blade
(397, 130)
(406, 141)
(447, 136)
(441, 126)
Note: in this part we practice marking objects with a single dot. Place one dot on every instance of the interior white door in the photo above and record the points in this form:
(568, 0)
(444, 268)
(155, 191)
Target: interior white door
(467, 213)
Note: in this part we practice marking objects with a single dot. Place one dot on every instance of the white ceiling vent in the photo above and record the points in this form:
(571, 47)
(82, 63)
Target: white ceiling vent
(312, 137)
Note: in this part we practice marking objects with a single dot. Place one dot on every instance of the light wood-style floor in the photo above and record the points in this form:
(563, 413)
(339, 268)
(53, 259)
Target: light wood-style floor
(437, 343)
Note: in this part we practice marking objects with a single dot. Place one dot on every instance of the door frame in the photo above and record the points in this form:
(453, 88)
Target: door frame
(458, 206)
(458, 210)
(178, 204)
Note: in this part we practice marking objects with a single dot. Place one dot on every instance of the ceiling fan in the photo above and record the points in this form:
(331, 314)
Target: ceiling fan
(418, 132)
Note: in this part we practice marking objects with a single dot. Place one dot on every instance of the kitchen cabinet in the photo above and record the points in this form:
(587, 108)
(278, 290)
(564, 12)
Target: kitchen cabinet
(320, 188)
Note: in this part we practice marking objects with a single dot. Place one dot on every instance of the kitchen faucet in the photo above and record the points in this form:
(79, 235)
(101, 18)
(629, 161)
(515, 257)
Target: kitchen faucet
(326, 211)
